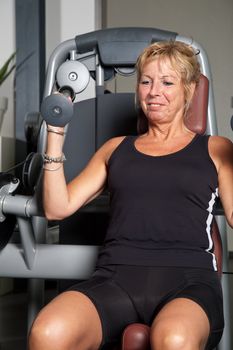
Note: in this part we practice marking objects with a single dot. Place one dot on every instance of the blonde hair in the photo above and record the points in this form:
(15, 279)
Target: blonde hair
(183, 59)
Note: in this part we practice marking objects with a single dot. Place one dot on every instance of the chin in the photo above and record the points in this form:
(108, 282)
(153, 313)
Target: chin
(157, 118)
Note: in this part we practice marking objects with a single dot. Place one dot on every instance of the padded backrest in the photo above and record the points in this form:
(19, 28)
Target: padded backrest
(196, 119)
(95, 121)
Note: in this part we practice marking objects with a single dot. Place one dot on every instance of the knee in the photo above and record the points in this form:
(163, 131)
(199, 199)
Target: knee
(46, 333)
(171, 337)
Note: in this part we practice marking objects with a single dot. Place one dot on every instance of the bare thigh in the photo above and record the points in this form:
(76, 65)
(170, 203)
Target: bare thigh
(70, 321)
(181, 324)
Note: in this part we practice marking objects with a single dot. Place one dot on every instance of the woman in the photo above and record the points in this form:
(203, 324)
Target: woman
(156, 265)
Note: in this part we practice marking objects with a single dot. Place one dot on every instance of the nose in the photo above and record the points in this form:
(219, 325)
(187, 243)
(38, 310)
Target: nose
(155, 89)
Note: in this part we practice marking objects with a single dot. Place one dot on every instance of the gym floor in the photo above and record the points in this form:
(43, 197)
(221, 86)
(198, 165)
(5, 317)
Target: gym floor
(13, 312)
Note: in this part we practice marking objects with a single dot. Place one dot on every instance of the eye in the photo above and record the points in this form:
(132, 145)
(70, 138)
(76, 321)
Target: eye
(145, 80)
(167, 83)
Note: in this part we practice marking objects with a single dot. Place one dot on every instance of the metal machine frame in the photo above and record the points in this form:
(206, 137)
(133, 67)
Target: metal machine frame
(34, 258)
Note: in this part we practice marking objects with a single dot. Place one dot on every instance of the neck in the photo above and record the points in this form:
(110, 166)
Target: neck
(168, 131)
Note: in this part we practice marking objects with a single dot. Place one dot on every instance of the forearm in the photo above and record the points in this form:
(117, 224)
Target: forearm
(55, 195)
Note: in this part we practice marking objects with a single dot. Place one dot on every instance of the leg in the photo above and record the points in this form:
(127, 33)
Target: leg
(70, 321)
(181, 325)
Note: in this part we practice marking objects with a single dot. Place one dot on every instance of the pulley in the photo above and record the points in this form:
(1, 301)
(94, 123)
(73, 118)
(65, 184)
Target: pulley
(73, 74)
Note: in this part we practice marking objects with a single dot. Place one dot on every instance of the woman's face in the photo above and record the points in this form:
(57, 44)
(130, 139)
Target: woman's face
(161, 92)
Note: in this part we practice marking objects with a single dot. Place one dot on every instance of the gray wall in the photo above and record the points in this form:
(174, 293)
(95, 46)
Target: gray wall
(208, 22)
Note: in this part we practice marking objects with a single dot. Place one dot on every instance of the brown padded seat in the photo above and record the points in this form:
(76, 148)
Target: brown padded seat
(136, 337)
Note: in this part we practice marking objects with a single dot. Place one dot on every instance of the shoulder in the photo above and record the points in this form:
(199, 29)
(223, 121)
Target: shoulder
(220, 144)
(109, 147)
(221, 150)
(112, 143)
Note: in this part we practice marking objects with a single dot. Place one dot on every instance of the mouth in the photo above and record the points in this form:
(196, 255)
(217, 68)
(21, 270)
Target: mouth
(154, 104)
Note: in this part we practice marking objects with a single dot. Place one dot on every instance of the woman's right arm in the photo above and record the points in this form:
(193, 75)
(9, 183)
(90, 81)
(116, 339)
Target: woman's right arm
(61, 200)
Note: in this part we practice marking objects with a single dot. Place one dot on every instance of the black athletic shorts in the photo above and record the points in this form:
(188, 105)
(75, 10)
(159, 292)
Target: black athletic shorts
(126, 294)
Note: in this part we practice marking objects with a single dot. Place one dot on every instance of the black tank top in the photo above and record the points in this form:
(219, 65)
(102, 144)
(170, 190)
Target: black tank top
(161, 207)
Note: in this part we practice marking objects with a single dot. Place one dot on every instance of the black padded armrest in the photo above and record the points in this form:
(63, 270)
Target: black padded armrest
(120, 47)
